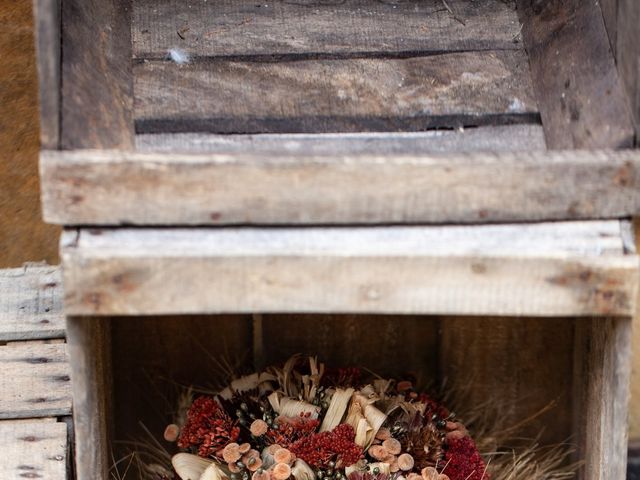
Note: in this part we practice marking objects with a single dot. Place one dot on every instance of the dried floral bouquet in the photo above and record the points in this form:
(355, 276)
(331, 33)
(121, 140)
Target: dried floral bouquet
(305, 422)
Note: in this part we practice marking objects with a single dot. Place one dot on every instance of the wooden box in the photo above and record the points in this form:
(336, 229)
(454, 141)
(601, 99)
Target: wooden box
(447, 184)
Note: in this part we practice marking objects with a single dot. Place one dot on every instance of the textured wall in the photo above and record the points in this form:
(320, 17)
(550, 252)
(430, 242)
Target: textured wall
(23, 235)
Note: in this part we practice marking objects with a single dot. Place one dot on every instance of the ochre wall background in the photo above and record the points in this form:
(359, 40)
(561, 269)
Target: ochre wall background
(23, 235)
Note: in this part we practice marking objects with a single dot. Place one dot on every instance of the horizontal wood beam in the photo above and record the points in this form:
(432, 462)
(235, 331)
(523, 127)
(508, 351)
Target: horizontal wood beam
(558, 269)
(117, 187)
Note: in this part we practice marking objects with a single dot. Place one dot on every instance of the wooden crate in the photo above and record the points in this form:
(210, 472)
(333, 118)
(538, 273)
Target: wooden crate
(328, 165)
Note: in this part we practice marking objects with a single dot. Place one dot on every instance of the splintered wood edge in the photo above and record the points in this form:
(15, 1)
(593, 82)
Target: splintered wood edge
(34, 449)
(31, 300)
(94, 187)
(559, 269)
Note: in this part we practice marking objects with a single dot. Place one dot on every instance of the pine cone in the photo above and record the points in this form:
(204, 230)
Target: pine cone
(425, 446)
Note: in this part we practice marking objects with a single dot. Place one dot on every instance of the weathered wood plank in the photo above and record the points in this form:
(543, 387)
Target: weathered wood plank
(112, 188)
(601, 396)
(610, 14)
(579, 92)
(35, 380)
(628, 54)
(36, 449)
(97, 99)
(47, 31)
(518, 365)
(505, 138)
(31, 303)
(573, 268)
(89, 344)
(245, 27)
(371, 94)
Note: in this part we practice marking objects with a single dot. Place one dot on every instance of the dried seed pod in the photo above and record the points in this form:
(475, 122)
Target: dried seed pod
(261, 474)
(172, 432)
(405, 462)
(442, 476)
(379, 452)
(414, 476)
(392, 445)
(282, 455)
(231, 453)
(259, 428)
(244, 448)
(394, 467)
(213, 472)
(281, 471)
(383, 434)
(302, 471)
(430, 473)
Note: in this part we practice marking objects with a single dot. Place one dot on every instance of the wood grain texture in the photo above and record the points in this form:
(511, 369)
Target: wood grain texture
(35, 380)
(384, 344)
(31, 303)
(96, 74)
(114, 188)
(157, 358)
(520, 366)
(628, 54)
(601, 396)
(610, 14)
(573, 268)
(581, 100)
(47, 31)
(33, 449)
(504, 138)
(89, 346)
(372, 94)
(353, 27)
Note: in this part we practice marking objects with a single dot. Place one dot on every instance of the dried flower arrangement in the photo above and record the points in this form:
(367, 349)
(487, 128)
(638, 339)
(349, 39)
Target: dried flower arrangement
(304, 422)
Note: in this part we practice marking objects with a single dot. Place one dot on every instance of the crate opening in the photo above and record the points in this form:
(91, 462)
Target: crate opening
(156, 358)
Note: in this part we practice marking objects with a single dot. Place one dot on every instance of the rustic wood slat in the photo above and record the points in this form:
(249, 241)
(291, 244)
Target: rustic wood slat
(31, 303)
(34, 449)
(97, 99)
(579, 92)
(628, 54)
(246, 27)
(601, 396)
(373, 94)
(47, 31)
(505, 138)
(89, 344)
(113, 188)
(35, 380)
(554, 269)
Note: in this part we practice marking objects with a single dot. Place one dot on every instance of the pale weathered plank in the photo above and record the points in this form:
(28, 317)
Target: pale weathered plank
(89, 343)
(34, 381)
(97, 97)
(601, 396)
(112, 188)
(31, 303)
(34, 449)
(581, 100)
(538, 270)
(506, 138)
(368, 94)
(354, 27)
(628, 54)
(47, 31)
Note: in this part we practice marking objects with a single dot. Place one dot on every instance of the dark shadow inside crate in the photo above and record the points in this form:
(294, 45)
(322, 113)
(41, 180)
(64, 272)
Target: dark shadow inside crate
(480, 361)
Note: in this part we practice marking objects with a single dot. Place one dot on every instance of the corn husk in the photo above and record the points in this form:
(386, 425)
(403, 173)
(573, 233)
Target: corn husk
(302, 471)
(213, 472)
(337, 408)
(365, 419)
(288, 407)
(188, 466)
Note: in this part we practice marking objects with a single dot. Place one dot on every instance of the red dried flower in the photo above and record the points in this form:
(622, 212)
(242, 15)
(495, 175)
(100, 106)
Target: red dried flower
(321, 448)
(208, 428)
(463, 462)
(291, 429)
